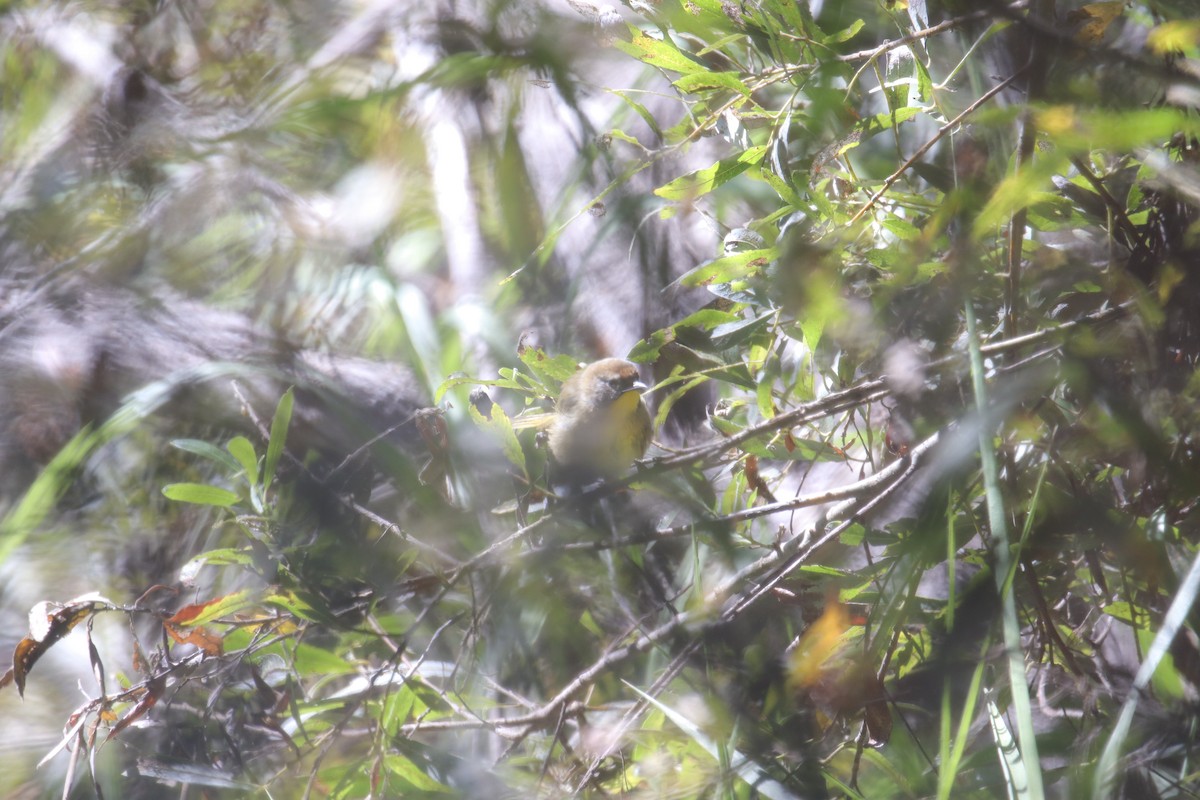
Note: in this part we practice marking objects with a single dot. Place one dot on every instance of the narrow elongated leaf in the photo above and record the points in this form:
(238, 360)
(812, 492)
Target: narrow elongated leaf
(701, 81)
(703, 181)
(241, 449)
(224, 606)
(279, 428)
(1016, 783)
(728, 268)
(207, 450)
(658, 53)
(1181, 606)
(199, 494)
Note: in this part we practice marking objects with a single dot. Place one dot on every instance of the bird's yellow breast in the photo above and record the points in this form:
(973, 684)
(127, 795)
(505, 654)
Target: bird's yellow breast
(631, 426)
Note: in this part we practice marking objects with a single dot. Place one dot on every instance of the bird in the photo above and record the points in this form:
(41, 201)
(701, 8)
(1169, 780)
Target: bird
(601, 424)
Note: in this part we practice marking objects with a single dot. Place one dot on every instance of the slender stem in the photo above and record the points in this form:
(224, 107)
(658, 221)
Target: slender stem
(998, 523)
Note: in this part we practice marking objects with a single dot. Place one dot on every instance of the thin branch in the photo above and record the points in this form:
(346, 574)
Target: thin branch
(783, 561)
(788, 558)
(923, 149)
(873, 53)
(925, 33)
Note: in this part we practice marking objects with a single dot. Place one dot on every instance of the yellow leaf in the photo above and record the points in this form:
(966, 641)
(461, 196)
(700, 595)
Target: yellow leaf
(816, 645)
(1176, 36)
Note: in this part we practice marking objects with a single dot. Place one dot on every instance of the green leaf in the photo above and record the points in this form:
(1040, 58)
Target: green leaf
(550, 370)
(405, 770)
(500, 425)
(728, 268)
(667, 403)
(703, 81)
(241, 449)
(200, 494)
(397, 708)
(902, 228)
(206, 450)
(845, 34)
(226, 556)
(642, 112)
(1017, 191)
(706, 319)
(315, 661)
(49, 486)
(1079, 131)
(782, 188)
(702, 181)
(279, 428)
(508, 380)
(889, 119)
(658, 53)
(740, 333)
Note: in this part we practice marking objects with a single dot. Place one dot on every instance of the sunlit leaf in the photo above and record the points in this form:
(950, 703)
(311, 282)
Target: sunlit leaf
(241, 449)
(210, 610)
(200, 494)
(658, 53)
(729, 268)
(1175, 36)
(701, 182)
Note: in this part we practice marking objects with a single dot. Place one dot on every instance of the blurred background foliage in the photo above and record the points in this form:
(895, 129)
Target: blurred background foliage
(917, 289)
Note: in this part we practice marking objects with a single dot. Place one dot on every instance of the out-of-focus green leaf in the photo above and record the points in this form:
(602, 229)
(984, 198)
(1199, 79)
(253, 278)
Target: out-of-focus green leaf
(500, 425)
(301, 604)
(641, 111)
(747, 770)
(405, 770)
(1078, 130)
(1175, 36)
(316, 661)
(397, 708)
(207, 450)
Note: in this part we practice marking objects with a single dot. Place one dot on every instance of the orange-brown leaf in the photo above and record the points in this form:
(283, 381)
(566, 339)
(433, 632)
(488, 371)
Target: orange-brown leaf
(1095, 19)
(154, 690)
(210, 643)
(200, 613)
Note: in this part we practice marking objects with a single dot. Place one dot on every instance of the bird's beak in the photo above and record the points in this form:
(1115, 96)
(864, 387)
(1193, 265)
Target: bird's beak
(637, 386)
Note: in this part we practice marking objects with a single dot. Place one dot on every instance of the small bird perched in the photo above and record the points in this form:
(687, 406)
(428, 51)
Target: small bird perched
(601, 425)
